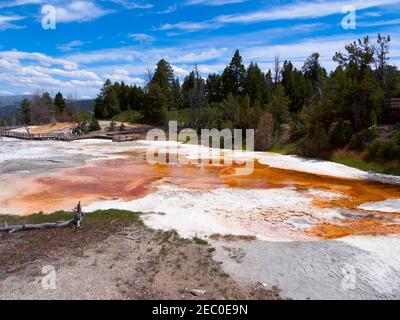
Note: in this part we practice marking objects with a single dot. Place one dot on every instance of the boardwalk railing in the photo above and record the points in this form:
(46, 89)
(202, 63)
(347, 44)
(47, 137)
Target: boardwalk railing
(30, 136)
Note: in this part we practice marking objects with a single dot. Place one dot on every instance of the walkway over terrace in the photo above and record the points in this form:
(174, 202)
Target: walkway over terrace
(119, 136)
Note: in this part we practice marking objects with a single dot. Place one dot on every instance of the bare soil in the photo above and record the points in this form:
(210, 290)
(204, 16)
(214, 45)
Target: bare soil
(113, 256)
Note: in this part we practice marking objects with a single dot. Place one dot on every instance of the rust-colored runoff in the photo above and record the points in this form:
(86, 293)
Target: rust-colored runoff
(133, 178)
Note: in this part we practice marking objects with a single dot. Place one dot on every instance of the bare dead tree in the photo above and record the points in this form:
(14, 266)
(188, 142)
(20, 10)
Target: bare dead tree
(40, 109)
(382, 55)
(75, 222)
(264, 135)
(277, 69)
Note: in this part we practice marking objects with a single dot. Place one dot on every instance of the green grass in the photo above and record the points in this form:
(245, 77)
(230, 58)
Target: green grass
(283, 148)
(90, 218)
(211, 250)
(128, 116)
(351, 160)
(355, 162)
(200, 241)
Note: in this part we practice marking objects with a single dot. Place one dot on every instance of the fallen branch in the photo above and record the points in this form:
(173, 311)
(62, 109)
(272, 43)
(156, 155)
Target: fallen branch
(76, 221)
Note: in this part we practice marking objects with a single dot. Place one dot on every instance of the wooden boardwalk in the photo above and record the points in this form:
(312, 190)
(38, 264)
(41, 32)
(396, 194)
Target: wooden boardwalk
(30, 136)
(132, 134)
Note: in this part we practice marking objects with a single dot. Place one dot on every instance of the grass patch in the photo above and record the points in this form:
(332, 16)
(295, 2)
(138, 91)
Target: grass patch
(348, 158)
(200, 241)
(211, 250)
(359, 163)
(132, 117)
(283, 148)
(90, 218)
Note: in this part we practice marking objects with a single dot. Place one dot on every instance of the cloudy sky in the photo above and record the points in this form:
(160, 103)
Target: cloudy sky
(122, 39)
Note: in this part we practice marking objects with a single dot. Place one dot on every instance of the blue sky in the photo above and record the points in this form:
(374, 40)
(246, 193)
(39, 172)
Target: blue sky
(122, 39)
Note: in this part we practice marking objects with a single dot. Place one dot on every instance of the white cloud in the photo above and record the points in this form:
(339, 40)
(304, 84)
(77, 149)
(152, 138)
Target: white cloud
(302, 10)
(6, 22)
(71, 45)
(170, 9)
(133, 4)
(121, 74)
(213, 2)
(142, 37)
(22, 71)
(379, 23)
(179, 71)
(125, 54)
(297, 10)
(37, 58)
(189, 26)
(17, 3)
(80, 11)
(206, 55)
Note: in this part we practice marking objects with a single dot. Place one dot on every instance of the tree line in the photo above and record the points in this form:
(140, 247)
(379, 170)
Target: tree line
(322, 110)
(41, 108)
(316, 109)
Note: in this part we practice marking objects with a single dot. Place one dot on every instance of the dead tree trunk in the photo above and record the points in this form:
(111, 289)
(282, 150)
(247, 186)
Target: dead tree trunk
(76, 221)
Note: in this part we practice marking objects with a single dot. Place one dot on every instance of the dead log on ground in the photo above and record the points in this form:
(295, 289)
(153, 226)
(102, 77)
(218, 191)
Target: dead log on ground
(76, 221)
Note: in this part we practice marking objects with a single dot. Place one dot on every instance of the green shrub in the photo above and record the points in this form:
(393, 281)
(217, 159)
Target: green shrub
(112, 126)
(83, 116)
(130, 116)
(384, 150)
(341, 135)
(199, 241)
(94, 125)
(396, 137)
(356, 142)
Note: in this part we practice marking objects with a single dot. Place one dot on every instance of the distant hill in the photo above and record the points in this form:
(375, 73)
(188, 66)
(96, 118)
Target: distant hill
(10, 104)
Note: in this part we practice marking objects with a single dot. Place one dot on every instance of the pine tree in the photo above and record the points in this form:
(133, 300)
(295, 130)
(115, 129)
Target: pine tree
(164, 78)
(268, 87)
(123, 93)
(293, 82)
(194, 91)
(214, 89)
(279, 108)
(255, 83)
(107, 103)
(177, 94)
(234, 75)
(136, 98)
(24, 112)
(230, 108)
(112, 102)
(156, 105)
(314, 76)
(60, 104)
(100, 108)
(187, 87)
(48, 102)
(360, 93)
